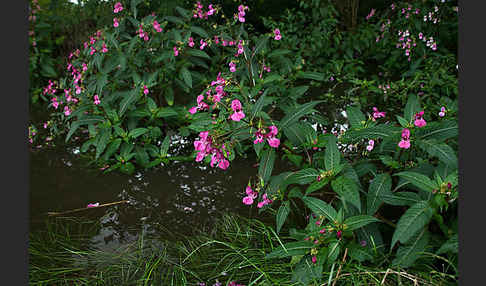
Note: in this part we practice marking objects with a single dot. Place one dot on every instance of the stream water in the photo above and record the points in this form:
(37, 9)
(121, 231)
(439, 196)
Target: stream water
(178, 198)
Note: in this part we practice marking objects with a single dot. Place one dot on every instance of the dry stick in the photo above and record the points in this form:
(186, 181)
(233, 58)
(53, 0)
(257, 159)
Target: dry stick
(82, 209)
(340, 266)
(384, 277)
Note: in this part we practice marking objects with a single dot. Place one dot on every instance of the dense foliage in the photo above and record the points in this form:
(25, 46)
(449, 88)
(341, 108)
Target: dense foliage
(366, 117)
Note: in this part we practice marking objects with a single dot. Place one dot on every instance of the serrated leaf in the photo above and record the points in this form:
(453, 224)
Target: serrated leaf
(451, 245)
(403, 122)
(358, 221)
(319, 207)
(317, 185)
(420, 181)
(164, 112)
(411, 107)
(409, 253)
(84, 121)
(439, 131)
(381, 185)
(186, 76)
(134, 133)
(332, 157)
(164, 147)
(112, 148)
(198, 53)
(200, 31)
(294, 114)
(355, 116)
(282, 213)
(440, 150)
(278, 52)
(266, 164)
(298, 91)
(290, 249)
(401, 199)
(103, 139)
(302, 177)
(375, 132)
(127, 101)
(413, 220)
(347, 190)
(260, 45)
(311, 75)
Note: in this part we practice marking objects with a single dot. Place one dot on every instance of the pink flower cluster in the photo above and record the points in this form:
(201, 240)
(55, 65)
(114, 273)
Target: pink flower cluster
(143, 35)
(372, 12)
(241, 13)
(252, 195)
(205, 147)
(156, 26)
(419, 120)
(214, 94)
(442, 111)
(202, 44)
(118, 7)
(199, 13)
(371, 145)
(238, 113)
(276, 34)
(34, 9)
(270, 135)
(406, 43)
(240, 48)
(378, 114)
(431, 16)
(232, 66)
(405, 142)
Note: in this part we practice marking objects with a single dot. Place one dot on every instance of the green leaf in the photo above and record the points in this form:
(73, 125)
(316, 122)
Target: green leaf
(126, 101)
(403, 122)
(186, 76)
(317, 185)
(358, 221)
(306, 272)
(278, 52)
(282, 213)
(104, 138)
(88, 120)
(112, 148)
(408, 253)
(375, 132)
(290, 249)
(294, 114)
(420, 181)
(266, 164)
(347, 190)
(381, 185)
(175, 20)
(298, 91)
(413, 220)
(258, 105)
(164, 147)
(164, 112)
(127, 168)
(200, 31)
(198, 53)
(451, 245)
(333, 253)
(440, 150)
(302, 177)
(299, 133)
(411, 108)
(332, 157)
(261, 44)
(355, 116)
(319, 207)
(311, 75)
(183, 12)
(134, 133)
(401, 198)
(439, 131)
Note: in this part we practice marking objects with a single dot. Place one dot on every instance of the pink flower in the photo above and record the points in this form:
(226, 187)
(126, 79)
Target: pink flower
(273, 142)
(339, 234)
(156, 26)
(377, 113)
(276, 34)
(103, 48)
(66, 110)
(314, 259)
(248, 200)
(370, 146)
(115, 22)
(118, 7)
(232, 66)
(93, 205)
(404, 144)
(442, 111)
(96, 99)
(176, 51)
(145, 90)
(238, 113)
(371, 14)
(419, 121)
(273, 130)
(191, 42)
(203, 44)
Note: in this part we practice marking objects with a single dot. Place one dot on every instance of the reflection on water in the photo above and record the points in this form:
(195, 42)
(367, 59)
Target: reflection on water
(182, 197)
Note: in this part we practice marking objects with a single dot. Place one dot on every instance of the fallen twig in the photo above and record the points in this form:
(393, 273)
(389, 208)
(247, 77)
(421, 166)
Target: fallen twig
(86, 208)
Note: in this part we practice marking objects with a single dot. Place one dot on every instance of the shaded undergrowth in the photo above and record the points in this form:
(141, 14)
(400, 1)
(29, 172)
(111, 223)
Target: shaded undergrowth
(233, 251)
